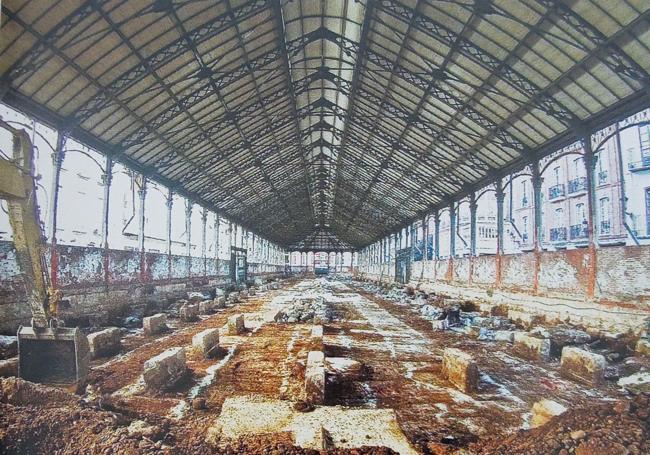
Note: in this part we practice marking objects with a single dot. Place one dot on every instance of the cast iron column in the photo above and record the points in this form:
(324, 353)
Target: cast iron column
(107, 180)
(590, 160)
(57, 160)
(142, 193)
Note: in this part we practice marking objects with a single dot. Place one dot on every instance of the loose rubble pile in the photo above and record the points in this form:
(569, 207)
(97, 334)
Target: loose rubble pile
(617, 428)
(306, 310)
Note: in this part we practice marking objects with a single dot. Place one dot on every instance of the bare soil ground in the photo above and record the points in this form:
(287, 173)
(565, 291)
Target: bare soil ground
(402, 356)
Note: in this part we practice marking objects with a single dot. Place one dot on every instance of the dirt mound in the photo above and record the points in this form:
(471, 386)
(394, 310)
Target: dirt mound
(20, 392)
(615, 428)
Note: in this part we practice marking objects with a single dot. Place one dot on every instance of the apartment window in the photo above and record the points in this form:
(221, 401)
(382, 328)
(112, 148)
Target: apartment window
(580, 212)
(577, 167)
(557, 173)
(525, 224)
(524, 192)
(602, 168)
(605, 224)
(644, 141)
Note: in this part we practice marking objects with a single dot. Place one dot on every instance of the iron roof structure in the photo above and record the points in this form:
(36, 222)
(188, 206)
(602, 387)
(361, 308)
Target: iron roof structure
(325, 124)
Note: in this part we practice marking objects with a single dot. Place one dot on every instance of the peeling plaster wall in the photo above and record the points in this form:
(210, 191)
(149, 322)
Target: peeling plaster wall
(623, 273)
(622, 299)
(517, 271)
(564, 272)
(485, 269)
(94, 300)
(461, 270)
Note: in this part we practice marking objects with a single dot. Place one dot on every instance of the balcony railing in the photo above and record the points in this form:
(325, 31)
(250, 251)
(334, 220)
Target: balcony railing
(524, 201)
(640, 165)
(558, 234)
(579, 231)
(524, 237)
(577, 184)
(602, 177)
(605, 227)
(556, 191)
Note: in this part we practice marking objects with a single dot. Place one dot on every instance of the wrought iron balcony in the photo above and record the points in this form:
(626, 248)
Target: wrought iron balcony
(605, 227)
(640, 165)
(602, 177)
(579, 231)
(558, 234)
(556, 191)
(577, 184)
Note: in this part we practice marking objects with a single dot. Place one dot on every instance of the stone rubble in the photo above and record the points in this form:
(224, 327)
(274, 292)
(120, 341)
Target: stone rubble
(306, 310)
(155, 324)
(206, 342)
(165, 370)
(105, 343)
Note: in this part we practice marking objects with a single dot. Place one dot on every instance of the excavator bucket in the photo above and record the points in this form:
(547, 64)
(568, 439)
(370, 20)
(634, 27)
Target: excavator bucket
(57, 356)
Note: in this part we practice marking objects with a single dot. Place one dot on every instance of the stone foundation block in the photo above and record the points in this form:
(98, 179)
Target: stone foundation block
(9, 367)
(206, 307)
(189, 312)
(219, 302)
(344, 369)
(460, 369)
(105, 343)
(236, 325)
(154, 324)
(504, 335)
(206, 341)
(582, 366)
(317, 335)
(545, 410)
(643, 347)
(166, 369)
(532, 348)
(315, 377)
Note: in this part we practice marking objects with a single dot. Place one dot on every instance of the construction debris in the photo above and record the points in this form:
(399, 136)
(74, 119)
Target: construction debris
(155, 324)
(105, 343)
(460, 369)
(315, 377)
(165, 370)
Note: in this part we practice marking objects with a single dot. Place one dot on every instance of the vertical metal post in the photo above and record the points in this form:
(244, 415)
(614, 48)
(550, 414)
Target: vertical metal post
(188, 236)
(452, 241)
(188, 227)
(472, 235)
(107, 180)
(452, 230)
(473, 205)
(537, 228)
(500, 196)
(142, 193)
(169, 203)
(204, 240)
(57, 161)
(216, 242)
(590, 160)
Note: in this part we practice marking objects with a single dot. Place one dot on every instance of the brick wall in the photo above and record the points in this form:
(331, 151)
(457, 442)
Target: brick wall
(622, 294)
(82, 279)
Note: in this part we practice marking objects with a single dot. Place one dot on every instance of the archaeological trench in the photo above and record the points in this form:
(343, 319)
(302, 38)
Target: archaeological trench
(337, 364)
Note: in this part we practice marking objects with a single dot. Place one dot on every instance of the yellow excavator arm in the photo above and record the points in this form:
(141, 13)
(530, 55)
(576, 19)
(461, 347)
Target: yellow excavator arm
(18, 188)
(47, 353)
